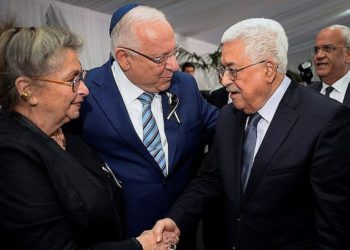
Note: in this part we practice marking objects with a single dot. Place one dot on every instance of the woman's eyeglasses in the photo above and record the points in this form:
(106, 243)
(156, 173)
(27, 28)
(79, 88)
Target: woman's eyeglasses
(74, 83)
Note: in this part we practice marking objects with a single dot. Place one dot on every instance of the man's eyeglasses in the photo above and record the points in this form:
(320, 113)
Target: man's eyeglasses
(160, 60)
(232, 71)
(74, 83)
(329, 48)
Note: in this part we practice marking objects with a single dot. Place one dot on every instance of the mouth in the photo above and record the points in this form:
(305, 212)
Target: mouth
(234, 94)
(321, 64)
(167, 77)
(77, 103)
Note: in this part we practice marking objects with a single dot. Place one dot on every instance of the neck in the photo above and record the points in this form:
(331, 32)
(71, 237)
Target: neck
(46, 125)
(59, 138)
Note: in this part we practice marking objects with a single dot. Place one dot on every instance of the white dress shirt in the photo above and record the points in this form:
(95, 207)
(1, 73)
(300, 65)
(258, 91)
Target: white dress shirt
(268, 111)
(130, 92)
(340, 86)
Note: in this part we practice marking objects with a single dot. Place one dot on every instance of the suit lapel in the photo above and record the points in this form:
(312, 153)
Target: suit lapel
(171, 127)
(347, 96)
(233, 136)
(238, 138)
(318, 86)
(281, 124)
(111, 103)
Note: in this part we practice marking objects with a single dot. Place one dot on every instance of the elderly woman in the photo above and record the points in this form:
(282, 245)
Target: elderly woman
(55, 192)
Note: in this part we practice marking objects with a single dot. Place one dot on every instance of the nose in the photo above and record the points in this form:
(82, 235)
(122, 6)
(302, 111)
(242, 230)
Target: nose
(82, 89)
(226, 80)
(172, 64)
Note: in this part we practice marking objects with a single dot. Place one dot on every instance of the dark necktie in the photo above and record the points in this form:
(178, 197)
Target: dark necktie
(329, 90)
(151, 136)
(248, 148)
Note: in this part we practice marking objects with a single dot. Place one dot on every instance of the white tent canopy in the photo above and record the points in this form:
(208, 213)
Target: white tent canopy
(199, 24)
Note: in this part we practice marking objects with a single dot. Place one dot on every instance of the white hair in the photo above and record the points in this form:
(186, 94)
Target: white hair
(344, 31)
(264, 39)
(123, 32)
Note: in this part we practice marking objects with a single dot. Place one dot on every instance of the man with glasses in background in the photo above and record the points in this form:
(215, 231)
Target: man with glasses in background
(280, 156)
(147, 119)
(331, 56)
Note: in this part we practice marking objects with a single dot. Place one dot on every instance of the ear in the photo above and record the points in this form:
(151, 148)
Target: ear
(122, 57)
(271, 71)
(25, 89)
(347, 56)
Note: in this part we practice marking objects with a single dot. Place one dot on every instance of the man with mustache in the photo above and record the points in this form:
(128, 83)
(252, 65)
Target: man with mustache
(148, 120)
(331, 56)
(280, 156)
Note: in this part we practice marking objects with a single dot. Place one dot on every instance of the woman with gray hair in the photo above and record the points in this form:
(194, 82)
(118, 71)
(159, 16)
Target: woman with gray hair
(56, 193)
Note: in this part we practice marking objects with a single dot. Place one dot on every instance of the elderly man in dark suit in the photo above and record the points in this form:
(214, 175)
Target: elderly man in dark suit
(331, 56)
(148, 120)
(280, 155)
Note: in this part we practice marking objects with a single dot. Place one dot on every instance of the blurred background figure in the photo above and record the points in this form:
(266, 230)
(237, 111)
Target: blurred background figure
(188, 68)
(331, 56)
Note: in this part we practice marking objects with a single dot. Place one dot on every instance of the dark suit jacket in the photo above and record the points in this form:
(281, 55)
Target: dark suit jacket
(218, 97)
(106, 126)
(318, 86)
(298, 193)
(55, 199)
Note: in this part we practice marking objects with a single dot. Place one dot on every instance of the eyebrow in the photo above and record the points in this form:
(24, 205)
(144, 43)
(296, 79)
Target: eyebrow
(231, 64)
(328, 44)
(73, 73)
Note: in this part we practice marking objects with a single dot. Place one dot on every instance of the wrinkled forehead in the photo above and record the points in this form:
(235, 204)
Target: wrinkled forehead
(329, 36)
(233, 53)
(156, 36)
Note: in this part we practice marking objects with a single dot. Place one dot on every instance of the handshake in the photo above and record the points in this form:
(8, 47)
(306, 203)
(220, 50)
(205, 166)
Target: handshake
(163, 236)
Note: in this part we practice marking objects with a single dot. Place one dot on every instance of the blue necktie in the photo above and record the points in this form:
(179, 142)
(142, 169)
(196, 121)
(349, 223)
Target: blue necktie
(151, 136)
(248, 148)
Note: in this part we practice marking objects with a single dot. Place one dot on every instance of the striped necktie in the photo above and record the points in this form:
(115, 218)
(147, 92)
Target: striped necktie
(151, 136)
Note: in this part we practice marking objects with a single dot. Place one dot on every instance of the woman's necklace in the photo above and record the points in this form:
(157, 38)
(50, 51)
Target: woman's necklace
(59, 138)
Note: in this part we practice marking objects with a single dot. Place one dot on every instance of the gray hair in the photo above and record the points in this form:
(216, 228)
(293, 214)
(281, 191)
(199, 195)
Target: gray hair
(123, 33)
(344, 31)
(264, 39)
(30, 52)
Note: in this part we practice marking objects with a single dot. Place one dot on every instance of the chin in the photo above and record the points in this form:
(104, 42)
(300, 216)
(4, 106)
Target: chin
(163, 87)
(73, 116)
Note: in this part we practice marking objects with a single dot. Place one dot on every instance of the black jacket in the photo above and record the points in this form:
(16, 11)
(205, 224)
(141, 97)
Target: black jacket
(318, 86)
(55, 199)
(298, 192)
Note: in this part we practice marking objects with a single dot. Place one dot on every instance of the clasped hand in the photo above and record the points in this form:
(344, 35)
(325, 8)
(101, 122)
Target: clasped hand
(164, 236)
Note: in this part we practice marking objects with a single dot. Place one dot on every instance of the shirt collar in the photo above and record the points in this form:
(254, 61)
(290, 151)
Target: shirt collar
(268, 110)
(340, 85)
(129, 91)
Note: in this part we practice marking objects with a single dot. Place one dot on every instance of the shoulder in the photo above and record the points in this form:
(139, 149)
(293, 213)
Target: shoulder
(180, 78)
(315, 85)
(311, 106)
(15, 134)
(184, 85)
(99, 74)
